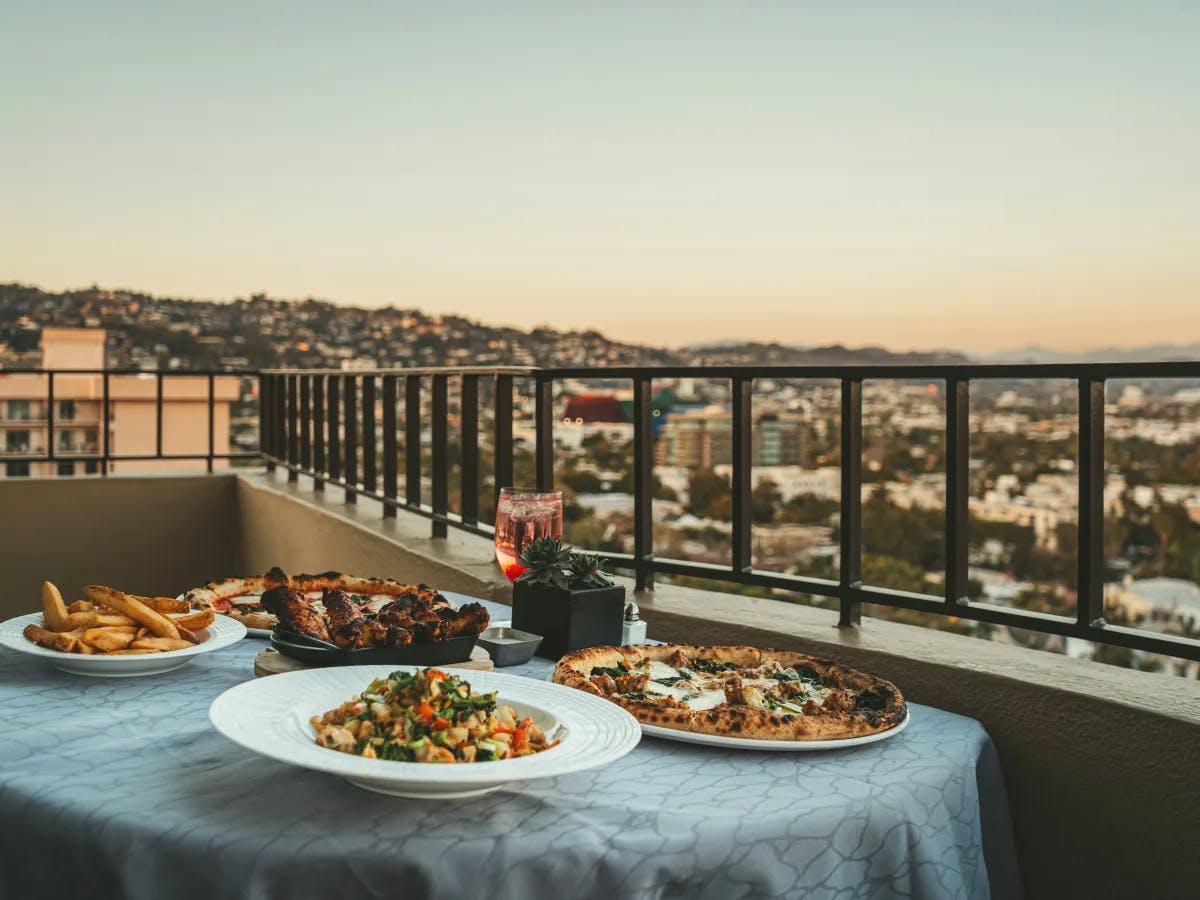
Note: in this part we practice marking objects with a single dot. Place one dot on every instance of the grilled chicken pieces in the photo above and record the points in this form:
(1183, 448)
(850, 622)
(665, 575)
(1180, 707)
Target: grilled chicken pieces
(295, 612)
(425, 616)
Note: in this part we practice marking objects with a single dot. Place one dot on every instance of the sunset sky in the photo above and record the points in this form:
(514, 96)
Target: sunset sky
(912, 174)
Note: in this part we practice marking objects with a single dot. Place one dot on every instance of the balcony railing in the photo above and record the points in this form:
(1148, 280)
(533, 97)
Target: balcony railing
(314, 422)
(323, 424)
(102, 452)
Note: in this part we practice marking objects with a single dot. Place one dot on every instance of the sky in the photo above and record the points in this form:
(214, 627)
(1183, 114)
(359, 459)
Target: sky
(914, 175)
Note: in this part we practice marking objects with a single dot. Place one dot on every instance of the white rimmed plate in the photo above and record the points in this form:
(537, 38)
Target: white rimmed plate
(270, 716)
(221, 633)
(738, 743)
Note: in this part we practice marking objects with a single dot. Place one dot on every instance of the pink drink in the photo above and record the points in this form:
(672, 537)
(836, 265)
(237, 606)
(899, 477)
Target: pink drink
(521, 517)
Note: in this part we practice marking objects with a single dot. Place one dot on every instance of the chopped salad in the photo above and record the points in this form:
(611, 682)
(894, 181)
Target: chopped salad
(428, 716)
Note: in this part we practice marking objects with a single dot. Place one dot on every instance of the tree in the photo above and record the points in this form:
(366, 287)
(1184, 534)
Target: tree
(707, 489)
(581, 481)
(808, 509)
(764, 501)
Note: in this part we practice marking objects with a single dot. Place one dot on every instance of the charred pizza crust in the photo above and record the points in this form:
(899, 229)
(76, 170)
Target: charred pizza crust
(851, 703)
(223, 596)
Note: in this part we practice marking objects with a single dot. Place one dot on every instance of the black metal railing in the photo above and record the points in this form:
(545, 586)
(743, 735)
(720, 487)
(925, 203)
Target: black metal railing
(341, 436)
(341, 429)
(103, 454)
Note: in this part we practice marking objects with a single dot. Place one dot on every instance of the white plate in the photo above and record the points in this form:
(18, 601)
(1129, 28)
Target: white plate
(270, 716)
(221, 633)
(737, 743)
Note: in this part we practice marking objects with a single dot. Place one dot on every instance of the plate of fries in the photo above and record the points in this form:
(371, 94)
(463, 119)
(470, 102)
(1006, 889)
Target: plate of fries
(115, 634)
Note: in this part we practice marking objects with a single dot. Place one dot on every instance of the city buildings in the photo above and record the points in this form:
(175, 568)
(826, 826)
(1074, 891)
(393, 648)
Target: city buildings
(71, 430)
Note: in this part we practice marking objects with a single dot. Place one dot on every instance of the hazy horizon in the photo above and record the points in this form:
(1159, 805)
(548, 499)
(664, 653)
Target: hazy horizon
(913, 176)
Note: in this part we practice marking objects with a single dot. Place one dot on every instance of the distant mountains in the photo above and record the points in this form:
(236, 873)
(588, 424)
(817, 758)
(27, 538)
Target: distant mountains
(1151, 353)
(774, 354)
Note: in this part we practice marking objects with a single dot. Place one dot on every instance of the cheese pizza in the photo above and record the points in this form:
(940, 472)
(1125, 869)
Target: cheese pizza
(736, 691)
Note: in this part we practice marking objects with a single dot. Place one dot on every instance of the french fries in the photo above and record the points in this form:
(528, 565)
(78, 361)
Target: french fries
(63, 641)
(196, 621)
(53, 608)
(160, 643)
(113, 620)
(114, 623)
(165, 604)
(106, 640)
(81, 620)
(135, 609)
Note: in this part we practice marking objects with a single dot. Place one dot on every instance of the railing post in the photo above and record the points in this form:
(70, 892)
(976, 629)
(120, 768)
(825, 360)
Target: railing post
(158, 413)
(643, 486)
(440, 412)
(50, 419)
(412, 440)
(1089, 610)
(370, 479)
(958, 471)
(502, 441)
(389, 446)
(293, 430)
(264, 405)
(469, 439)
(741, 425)
(105, 425)
(306, 422)
(350, 436)
(544, 425)
(333, 392)
(850, 607)
(212, 425)
(318, 405)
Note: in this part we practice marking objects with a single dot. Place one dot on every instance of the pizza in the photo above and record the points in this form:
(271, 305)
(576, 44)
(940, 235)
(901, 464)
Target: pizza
(736, 691)
(241, 598)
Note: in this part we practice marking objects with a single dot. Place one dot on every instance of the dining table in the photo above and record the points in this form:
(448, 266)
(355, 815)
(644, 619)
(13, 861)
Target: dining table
(121, 787)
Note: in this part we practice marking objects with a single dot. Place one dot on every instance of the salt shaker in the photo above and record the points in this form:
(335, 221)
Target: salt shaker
(633, 629)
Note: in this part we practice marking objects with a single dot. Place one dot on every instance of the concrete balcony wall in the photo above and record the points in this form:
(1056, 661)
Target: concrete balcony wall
(1099, 761)
(157, 535)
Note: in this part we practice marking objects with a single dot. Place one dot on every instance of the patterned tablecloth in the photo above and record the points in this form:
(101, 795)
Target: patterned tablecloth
(121, 788)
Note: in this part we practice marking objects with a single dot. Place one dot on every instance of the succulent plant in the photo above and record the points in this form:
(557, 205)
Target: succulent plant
(550, 562)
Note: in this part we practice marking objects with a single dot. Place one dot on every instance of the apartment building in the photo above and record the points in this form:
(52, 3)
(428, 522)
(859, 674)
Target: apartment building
(69, 427)
(703, 439)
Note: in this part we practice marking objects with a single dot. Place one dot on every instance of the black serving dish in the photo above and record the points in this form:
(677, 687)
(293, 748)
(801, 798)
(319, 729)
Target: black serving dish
(321, 653)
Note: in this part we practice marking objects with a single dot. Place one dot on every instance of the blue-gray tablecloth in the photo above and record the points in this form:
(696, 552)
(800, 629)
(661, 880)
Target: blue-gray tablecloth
(121, 788)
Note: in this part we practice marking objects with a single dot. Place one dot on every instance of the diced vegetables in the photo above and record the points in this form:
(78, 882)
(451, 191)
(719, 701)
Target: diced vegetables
(429, 716)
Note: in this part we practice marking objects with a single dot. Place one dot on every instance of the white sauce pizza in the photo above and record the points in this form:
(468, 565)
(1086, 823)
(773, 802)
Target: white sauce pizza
(736, 691)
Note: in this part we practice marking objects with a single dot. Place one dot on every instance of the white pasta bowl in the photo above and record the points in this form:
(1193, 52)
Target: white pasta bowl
(270, 716)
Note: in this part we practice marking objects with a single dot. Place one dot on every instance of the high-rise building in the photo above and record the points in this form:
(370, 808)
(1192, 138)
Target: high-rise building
(26, 432)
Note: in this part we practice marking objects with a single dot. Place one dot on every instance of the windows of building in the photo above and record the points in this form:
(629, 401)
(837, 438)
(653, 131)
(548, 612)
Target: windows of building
(66, 410)
(66, 468)
(16, 469)
(17, 442)
(91, 467)
(19, 411)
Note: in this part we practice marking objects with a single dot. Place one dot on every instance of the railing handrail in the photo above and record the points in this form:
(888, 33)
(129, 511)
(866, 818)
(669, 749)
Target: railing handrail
(867, 371)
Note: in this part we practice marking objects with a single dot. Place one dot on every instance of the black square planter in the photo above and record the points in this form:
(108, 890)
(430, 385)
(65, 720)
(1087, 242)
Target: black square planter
(569, 620)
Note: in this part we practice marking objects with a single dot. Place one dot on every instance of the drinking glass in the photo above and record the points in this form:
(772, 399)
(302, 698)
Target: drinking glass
(521, 517)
